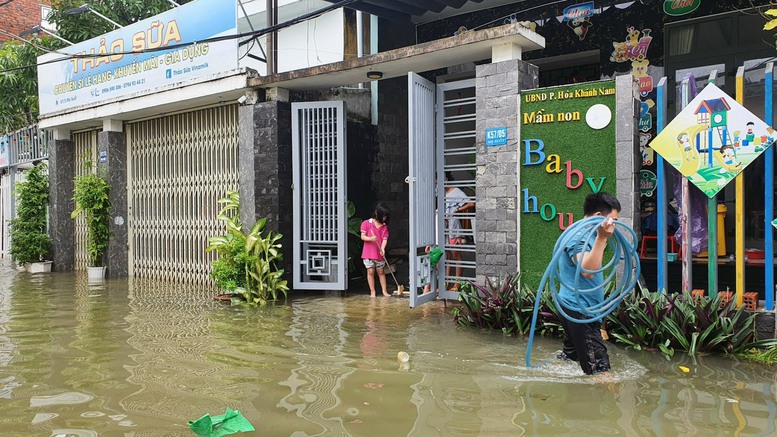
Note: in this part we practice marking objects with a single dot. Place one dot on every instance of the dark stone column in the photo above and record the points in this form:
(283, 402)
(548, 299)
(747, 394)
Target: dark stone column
(112, 165)
(497, 90)
(61, 226)
(266, 170)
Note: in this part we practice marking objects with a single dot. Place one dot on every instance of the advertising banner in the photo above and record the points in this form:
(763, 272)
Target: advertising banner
(712, 140)
(114, 72)
(567, 152)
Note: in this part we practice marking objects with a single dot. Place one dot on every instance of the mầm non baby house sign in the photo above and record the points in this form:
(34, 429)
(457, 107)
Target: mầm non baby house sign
(712, 140)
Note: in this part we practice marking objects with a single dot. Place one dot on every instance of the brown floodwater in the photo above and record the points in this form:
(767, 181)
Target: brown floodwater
(141, 358)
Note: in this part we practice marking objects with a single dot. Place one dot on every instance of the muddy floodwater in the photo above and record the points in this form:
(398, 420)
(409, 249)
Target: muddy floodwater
(137, 358)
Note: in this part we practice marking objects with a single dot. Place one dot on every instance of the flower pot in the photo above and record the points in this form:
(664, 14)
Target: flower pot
(94, 274)
(39, 267)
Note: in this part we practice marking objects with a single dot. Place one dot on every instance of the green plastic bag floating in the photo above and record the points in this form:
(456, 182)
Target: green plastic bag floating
(230, 422)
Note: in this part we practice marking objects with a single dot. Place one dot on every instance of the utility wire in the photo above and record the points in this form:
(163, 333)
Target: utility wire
(256, 33)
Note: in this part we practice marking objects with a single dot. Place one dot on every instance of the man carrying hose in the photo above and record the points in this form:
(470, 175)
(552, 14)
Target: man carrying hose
(583, 341)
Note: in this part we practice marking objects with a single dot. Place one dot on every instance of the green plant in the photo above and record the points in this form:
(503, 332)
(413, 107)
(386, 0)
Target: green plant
(91, 196)
(505, 304)
(29, 240)
(767, 356)
(247, 262)
(646, 320)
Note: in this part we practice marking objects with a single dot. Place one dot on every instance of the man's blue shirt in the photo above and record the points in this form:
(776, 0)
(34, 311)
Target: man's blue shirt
(567, 271)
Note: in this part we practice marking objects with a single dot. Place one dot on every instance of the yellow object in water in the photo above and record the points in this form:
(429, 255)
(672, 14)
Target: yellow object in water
(403, 357)
(685, 369)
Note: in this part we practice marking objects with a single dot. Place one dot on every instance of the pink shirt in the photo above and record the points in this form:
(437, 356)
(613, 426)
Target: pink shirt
(371, 249)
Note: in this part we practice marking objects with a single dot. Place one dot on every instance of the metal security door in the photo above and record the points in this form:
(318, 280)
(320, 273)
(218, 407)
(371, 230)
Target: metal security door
(421, 165)
(85, 161)
(456, 153)
(320, 196)
(178, 167)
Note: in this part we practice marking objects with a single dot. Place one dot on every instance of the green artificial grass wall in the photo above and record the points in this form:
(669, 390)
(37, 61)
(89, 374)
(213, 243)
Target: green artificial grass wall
(555, 120)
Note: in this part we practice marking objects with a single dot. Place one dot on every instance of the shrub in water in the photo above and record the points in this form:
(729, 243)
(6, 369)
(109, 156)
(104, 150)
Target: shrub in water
(650, 320)
(247, 263)
(505, 304)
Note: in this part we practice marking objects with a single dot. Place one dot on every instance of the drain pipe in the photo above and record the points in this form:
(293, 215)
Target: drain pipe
(272, 37)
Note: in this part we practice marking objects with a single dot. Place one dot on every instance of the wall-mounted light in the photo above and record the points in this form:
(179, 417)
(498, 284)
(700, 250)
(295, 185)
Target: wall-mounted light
(374, 75)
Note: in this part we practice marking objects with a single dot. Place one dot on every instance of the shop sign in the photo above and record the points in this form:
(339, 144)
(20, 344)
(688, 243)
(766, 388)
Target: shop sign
(712, 140)
(647, 183)
(648, 156)
(579, 11)
(5, 149)
(133, 59)
(496, 136)
(676, 8)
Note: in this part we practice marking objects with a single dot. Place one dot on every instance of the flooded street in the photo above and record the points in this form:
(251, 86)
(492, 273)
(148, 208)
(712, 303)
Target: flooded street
(139, 358)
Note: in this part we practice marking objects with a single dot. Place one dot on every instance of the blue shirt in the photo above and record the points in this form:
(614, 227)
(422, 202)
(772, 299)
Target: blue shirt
(567, 270)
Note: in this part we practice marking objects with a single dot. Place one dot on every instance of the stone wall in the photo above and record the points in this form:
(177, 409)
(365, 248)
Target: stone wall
(627, 157)
(266, 171)
(61, 226)
(112, 165)
(497, 88)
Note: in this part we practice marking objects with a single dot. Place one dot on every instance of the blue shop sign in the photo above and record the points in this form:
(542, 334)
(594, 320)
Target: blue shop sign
(496, 136)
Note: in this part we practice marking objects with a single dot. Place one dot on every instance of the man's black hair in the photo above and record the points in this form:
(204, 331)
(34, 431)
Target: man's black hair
(603, 203)
(382, 213)
(448, 176)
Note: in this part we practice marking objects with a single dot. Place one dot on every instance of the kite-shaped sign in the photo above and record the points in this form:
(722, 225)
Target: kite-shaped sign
(712, 140)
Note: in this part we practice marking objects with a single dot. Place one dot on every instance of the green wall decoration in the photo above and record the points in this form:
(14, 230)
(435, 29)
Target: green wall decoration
(567, 151)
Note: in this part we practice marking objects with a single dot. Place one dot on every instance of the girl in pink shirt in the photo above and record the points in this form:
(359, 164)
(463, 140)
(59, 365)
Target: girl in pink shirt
(374, 233)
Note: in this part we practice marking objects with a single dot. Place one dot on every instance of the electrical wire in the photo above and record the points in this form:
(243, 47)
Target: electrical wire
(255, 33)
(623, 246)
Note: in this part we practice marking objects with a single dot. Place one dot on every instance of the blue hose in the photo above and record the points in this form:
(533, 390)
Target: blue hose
(623, 246)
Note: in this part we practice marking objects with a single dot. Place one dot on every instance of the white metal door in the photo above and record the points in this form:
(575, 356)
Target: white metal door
(421, 154)
(320, 196)
(456, 135)
(6, 197)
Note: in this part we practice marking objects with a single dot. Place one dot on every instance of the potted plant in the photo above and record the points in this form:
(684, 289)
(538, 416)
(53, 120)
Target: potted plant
(30, 242)
(91, 199)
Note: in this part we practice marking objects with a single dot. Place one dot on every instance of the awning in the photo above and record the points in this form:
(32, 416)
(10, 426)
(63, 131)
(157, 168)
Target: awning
(454, 50)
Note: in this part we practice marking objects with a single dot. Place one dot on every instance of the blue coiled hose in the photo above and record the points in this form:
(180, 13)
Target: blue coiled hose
(623, 245)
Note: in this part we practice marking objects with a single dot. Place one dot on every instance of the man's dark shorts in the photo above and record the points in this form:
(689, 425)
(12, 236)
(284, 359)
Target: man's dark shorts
(583, 343)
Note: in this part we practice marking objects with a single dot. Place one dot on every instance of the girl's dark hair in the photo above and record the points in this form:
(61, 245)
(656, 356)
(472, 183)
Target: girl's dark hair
(382, 213)
(448, 176)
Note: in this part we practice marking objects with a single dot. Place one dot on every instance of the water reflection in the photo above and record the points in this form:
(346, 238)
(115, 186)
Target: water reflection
(143, 357)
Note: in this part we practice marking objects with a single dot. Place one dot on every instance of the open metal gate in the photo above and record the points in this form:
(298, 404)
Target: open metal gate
(421, 166)
(85, 160)
(456, 156)
(179, 166)
(320, 196)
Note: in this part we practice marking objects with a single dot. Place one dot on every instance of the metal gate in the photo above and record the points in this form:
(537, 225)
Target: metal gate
(320, 195)
(85, 149)
(179, 166)
(456, 153)
(424, 282)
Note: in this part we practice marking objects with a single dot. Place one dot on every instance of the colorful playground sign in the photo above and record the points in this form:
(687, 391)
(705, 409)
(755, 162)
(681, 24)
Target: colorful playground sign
(712, 140)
